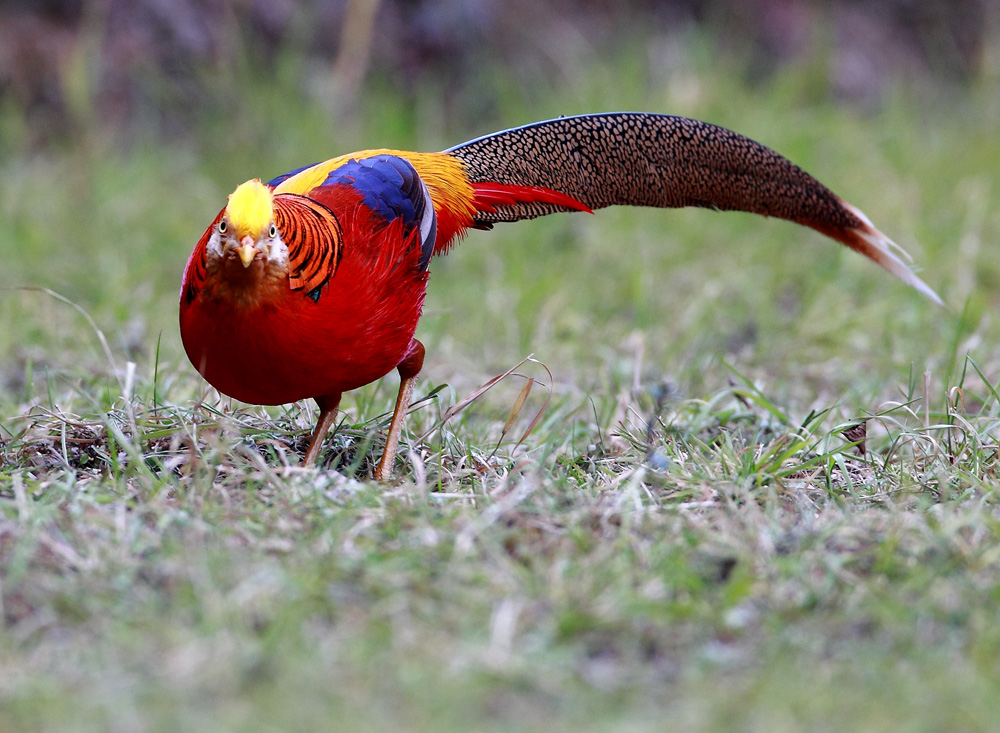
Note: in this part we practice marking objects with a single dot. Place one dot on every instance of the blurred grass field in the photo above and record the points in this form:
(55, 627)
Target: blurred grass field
(687, 537)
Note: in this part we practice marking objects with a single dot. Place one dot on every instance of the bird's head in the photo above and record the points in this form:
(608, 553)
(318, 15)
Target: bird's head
(246, 230)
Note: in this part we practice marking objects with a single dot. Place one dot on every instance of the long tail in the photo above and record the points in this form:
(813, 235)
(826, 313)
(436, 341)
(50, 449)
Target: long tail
(641, 159)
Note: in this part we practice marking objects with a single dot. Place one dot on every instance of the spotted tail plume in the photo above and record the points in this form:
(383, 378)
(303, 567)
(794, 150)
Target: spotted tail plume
(642, 159)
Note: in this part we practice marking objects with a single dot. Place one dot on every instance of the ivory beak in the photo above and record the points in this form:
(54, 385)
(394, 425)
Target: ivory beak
(246, 251)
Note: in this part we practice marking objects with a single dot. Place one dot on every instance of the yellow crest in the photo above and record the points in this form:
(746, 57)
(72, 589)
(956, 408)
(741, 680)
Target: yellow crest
(251, 208)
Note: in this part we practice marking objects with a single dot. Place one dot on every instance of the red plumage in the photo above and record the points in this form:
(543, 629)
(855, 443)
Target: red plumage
(491, 196)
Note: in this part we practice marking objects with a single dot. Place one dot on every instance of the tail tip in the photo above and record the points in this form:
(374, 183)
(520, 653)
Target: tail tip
(888, 254)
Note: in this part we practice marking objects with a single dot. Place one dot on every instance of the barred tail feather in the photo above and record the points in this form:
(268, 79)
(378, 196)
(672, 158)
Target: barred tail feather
(643, 159)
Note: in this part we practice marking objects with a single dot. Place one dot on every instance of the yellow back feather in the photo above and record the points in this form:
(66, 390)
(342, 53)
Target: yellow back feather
(250, 209)
(443, 173)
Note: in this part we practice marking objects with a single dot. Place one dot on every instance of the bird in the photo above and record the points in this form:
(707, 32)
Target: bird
(312, 284)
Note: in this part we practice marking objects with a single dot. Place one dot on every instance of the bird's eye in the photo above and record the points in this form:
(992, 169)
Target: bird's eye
(273, 231)
(222, 226)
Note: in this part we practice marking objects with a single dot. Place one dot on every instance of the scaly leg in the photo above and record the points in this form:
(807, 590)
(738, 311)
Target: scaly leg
(408, 370)
(327, 414)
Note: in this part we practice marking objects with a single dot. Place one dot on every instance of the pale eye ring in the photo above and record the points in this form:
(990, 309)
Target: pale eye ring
(222, 226)
(273, 231)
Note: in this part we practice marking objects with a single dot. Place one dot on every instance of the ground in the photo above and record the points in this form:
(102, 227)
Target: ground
(759, 493)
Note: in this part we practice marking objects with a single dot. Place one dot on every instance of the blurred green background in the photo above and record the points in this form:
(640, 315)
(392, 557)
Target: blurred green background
(123, 125)
(160, 569)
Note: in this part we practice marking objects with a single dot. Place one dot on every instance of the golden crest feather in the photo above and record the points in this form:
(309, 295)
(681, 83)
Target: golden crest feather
(251, 208)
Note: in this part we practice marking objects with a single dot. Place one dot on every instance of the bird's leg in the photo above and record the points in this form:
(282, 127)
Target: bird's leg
(408, 370)
(327, 414)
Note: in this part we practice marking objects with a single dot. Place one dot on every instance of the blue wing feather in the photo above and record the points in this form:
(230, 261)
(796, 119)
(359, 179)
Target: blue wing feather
(391, 187)
(383, 182)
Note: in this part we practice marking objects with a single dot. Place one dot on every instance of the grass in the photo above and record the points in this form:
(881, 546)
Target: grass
(691, 532)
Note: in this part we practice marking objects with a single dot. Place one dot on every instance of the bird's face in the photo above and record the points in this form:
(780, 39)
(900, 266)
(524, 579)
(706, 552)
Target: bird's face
(246, 232)
(231, 244)
(246, 256)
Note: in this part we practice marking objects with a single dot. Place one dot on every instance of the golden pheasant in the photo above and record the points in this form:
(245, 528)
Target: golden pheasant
(312, 284)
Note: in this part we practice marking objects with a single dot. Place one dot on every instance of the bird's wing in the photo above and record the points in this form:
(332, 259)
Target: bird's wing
(644, 159)
(392, 190)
